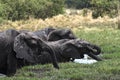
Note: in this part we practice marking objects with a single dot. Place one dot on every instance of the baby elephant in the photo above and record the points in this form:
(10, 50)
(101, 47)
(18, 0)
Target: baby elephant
(66, 49)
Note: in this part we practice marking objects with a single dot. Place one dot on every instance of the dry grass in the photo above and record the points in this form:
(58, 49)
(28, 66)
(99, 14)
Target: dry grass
(63, 20)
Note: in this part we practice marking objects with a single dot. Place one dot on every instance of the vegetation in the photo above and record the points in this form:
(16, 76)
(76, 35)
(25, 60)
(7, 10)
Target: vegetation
(78, 4)
(62, 21)
(99, 7)
(105, 7)
(24, 9)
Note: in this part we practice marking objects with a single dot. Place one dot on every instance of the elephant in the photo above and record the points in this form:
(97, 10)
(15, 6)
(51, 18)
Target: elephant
(52, 34)
(67, 49)
(32, 46)
(61, 34)
(43, 33)
(21, 49)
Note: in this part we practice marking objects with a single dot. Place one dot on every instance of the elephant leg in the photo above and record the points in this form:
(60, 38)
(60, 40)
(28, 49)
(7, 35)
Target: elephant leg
(11, 64)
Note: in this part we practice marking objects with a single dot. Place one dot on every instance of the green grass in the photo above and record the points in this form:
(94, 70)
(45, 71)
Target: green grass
(108, 69)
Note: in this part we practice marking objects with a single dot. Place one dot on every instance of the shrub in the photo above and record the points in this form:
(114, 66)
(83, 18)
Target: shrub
(99, 7)
(104, 7)
(78, 4)
(24, 9)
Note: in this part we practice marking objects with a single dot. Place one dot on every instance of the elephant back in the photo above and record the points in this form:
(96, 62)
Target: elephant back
(11, 33)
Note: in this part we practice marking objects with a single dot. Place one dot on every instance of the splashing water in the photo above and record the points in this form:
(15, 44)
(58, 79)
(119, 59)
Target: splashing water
(85, 60)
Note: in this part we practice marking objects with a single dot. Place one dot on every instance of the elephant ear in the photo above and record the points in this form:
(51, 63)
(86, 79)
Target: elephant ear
(54, 35)
(69, 50)
(21, 49)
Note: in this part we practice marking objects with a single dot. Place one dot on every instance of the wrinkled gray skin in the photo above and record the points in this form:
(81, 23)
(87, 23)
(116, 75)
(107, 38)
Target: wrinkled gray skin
(19, 49)
(52, 34)
(43, 33)
(63, 35)
(28, 46)
(59, 34)
(66, 49)
(7, 55)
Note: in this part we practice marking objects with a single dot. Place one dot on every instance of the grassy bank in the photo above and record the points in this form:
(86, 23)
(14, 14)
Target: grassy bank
(108, 69)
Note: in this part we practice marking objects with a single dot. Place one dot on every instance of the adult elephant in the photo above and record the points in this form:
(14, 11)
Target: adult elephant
(66, 49)
(18, 47)
(61, 34)
(52, 34)
(43, 33)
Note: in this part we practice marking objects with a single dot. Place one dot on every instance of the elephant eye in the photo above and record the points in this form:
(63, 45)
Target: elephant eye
(71, 36)
(32, 42)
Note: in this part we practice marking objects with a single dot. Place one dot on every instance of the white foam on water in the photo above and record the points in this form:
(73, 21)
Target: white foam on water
(85, 60)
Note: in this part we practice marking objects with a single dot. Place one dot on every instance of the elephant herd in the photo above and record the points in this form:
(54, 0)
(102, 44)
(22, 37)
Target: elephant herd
(48, 45)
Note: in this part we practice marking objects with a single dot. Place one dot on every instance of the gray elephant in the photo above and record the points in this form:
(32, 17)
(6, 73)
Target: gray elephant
(52, 34)
(66, 49)
(43, 33)
(20, 49)
(61, 34)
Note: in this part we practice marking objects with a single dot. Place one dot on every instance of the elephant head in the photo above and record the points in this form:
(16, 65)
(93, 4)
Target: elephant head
(76, 49)
(29, 46)
(48, 30)
(96, 50)
(61, 34)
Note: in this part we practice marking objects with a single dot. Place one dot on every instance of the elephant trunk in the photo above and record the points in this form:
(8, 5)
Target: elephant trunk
(94, 56)
(95, 49)
(48, 48)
